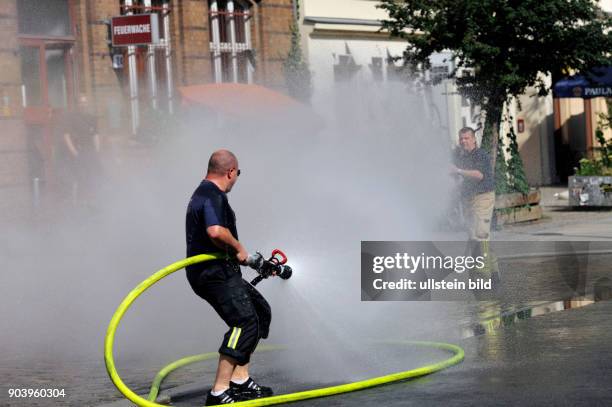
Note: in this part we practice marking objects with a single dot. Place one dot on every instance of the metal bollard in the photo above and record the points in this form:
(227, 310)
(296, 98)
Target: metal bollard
(36, 192)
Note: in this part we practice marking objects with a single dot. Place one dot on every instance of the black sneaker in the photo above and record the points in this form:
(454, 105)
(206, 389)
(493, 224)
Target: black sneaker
(227, 397)
(251, 390)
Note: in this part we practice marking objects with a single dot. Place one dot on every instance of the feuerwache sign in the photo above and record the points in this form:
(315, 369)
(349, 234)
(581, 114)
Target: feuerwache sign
(138, 29)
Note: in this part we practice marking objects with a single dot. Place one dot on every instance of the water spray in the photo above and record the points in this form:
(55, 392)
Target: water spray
(266, 268)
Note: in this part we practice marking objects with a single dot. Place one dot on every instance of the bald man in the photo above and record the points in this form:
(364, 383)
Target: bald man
(211, 227)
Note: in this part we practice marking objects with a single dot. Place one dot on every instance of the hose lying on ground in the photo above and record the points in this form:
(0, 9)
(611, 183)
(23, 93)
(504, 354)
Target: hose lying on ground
(283, 398)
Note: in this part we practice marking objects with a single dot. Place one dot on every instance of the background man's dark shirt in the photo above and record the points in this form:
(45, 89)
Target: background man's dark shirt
(477, 159)
(208, 207)
(79, 123)
(82, 127)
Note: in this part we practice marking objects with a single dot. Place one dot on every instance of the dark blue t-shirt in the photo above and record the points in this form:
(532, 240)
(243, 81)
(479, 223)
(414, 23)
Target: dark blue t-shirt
(208, 207)
(477, 159)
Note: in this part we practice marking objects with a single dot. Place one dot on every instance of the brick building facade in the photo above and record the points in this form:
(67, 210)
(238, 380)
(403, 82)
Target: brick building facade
(53, 51)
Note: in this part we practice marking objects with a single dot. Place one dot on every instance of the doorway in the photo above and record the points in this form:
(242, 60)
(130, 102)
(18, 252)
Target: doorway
(48, 86)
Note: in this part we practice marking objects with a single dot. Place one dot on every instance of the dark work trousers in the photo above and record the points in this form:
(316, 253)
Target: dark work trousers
(238, 303)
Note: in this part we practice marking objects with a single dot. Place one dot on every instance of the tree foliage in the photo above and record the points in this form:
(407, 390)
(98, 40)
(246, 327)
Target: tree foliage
(508, 44)
(601, 164)
(517, 179)
(297, 73)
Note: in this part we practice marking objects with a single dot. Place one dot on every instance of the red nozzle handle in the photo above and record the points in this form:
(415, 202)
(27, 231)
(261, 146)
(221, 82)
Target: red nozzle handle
(283, 256)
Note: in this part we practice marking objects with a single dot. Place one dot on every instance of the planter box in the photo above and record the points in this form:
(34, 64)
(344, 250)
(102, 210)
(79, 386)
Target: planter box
(590, 190)
(521, 214)
(517, 199)
(516, 207)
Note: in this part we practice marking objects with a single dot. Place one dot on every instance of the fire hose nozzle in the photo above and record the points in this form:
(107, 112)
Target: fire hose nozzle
(285, 272)
(274, 266)
(255, 261)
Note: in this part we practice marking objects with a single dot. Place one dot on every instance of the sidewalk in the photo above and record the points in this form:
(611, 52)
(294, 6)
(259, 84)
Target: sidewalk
(561, 222)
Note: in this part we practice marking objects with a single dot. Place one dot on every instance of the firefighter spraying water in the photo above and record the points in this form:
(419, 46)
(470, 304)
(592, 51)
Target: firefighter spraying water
(210, 227)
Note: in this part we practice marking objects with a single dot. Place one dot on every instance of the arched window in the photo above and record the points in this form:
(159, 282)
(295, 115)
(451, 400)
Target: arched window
(153, 63)
(46, 41)
(230, 40)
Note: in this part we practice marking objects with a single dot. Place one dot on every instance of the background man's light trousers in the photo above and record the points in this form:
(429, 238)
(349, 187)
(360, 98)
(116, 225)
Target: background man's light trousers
(478, 212)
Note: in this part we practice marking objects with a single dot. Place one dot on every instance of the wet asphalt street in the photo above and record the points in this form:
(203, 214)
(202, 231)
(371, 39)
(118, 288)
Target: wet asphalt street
(558, 359)
(561, 358)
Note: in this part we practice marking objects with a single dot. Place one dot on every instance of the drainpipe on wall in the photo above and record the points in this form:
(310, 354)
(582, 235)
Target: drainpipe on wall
(255, 16)
(133, 79)
(168, 56)
(151, 67)
(216, 41)
(232, 28)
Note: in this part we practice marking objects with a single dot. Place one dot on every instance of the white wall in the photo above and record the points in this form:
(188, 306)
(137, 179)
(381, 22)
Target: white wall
(323, 54)
(357, 9)
(323, 41)
(536, 142)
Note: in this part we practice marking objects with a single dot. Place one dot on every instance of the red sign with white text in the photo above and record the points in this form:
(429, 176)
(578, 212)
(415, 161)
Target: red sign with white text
(138, 29)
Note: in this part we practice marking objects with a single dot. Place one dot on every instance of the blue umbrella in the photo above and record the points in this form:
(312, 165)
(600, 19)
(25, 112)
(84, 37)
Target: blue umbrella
(595, 83)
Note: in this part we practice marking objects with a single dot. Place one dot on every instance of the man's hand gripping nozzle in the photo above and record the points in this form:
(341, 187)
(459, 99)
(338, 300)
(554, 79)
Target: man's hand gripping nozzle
(274, 266)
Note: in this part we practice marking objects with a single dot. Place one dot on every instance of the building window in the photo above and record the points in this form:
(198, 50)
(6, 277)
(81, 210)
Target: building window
(230, 40)
(159, 7)
(45, 37)
(49, 18)
(438, 73)
(396, 73)
(345, 68)
(30, 75)
(154, 62)
(377, 69)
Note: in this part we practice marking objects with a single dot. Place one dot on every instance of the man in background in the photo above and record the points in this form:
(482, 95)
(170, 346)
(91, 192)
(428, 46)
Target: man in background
(77, 153)
(473, 165)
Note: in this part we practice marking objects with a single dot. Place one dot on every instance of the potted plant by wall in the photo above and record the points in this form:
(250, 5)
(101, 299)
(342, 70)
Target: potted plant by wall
(592, 184)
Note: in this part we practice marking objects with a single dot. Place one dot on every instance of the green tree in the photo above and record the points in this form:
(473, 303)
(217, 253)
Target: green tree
(508, 44)
(295, 68)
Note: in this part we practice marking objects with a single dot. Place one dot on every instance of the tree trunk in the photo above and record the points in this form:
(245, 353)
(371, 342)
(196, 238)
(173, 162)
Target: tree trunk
(490, 137)
(490, 142)
(494, 142)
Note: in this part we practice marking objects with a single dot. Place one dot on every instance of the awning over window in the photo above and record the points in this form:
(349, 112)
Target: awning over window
(237, 99)
(597, 83)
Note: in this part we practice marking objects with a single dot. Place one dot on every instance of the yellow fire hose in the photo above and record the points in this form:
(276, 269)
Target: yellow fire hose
(283, 398)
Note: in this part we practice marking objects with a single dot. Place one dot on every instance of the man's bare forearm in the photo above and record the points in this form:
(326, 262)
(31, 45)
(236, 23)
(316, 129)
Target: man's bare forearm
(223, 238)
(471, 174)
